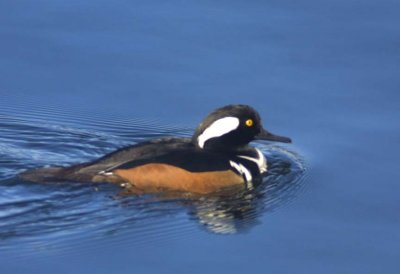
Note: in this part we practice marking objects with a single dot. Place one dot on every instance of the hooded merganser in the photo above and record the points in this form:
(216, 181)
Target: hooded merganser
(217, 156)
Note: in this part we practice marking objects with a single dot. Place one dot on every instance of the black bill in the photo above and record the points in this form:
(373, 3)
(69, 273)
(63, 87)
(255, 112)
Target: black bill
(265, 135)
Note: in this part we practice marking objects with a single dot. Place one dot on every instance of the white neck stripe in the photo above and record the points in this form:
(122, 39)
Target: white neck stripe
(261, 161)
(242, 170)
(218, 128)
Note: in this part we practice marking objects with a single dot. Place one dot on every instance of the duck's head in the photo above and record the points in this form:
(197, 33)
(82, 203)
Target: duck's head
(232, 127)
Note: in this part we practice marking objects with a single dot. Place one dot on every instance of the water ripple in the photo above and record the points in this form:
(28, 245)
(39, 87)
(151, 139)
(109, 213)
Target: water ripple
(40, 216)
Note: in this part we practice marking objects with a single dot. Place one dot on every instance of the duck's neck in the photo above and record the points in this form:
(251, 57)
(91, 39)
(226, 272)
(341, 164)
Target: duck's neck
(249, 157)
(252, 155)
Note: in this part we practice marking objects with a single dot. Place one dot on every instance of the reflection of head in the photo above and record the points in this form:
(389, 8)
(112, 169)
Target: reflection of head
(228, 215)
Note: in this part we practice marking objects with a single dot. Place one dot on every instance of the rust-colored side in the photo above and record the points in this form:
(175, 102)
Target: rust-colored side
(159, 177)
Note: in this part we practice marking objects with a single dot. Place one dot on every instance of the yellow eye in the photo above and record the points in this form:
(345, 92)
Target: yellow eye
(249, 122)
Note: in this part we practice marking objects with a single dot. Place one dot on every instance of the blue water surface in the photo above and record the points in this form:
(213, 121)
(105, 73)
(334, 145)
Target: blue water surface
(81, 78)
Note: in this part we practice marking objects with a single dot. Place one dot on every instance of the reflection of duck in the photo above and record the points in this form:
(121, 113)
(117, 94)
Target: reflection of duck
(217, 156)
(229, 214)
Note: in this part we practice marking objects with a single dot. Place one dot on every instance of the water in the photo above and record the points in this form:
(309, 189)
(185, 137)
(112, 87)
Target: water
(81, 79)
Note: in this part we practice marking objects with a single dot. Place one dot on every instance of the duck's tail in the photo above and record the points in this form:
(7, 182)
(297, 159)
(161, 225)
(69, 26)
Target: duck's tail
(58, 174)
(75, 173)
(44, 174)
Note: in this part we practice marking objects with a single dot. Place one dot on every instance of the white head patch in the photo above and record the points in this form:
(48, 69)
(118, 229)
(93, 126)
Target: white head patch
(218, 128)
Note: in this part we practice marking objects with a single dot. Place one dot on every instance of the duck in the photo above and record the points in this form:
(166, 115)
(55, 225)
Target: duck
(217, 156)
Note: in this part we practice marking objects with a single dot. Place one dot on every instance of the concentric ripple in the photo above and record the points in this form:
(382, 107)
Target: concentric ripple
(40, 216)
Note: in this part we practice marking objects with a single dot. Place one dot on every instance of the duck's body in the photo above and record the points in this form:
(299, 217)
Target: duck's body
(217, 156)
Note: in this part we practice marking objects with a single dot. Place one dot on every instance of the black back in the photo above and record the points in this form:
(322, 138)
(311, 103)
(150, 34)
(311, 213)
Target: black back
(179, 152)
